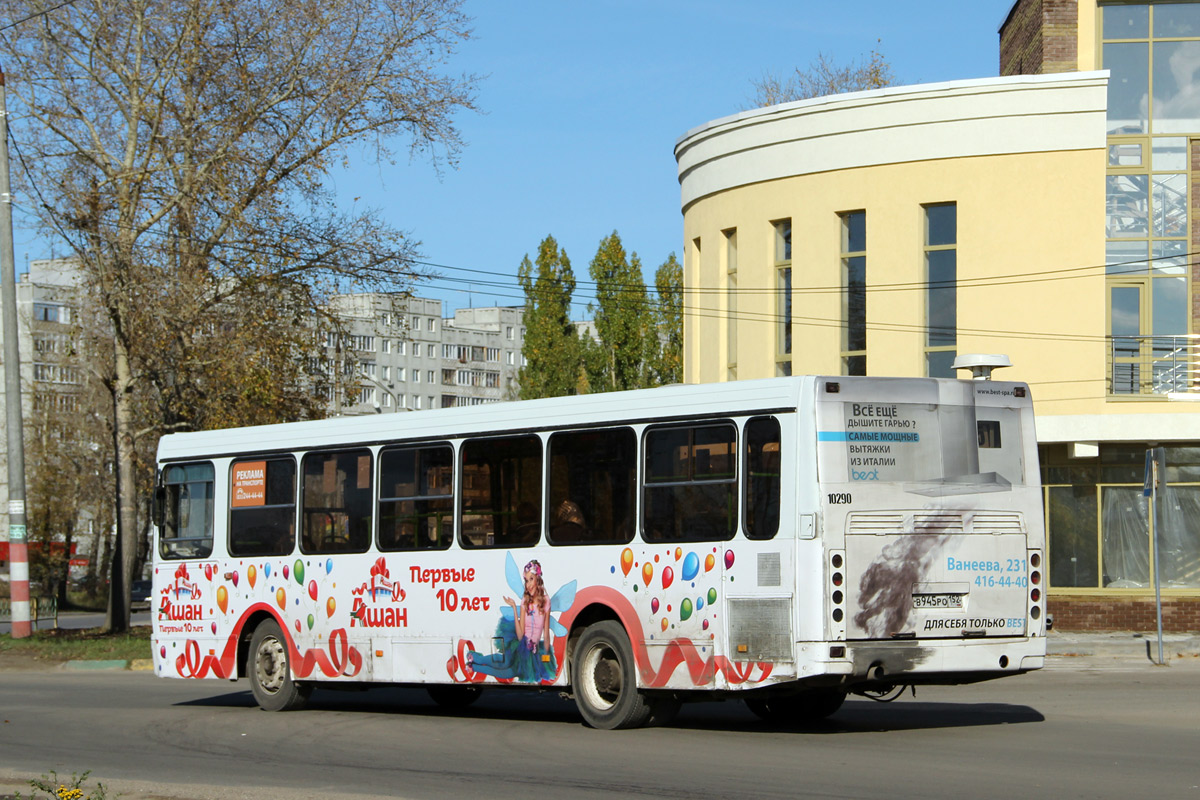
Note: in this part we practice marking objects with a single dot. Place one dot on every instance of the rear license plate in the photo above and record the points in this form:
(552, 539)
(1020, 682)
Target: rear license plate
(937, 601)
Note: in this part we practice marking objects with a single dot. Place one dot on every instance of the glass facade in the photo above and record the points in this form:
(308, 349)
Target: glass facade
(1153, 53)
(1098, 522)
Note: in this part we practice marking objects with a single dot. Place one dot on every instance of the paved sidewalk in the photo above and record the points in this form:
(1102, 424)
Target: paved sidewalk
(1123, 645)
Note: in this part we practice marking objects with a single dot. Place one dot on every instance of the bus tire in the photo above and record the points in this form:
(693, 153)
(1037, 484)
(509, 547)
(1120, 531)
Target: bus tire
(270, 673)
(811, 705)
(604, 679)
(453, 698)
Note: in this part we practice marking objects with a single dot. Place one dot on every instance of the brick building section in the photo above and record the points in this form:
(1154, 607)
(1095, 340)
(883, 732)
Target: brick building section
(1124, 614)
(1040, 37)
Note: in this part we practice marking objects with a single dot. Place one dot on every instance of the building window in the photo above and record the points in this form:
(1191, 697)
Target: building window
(386, 373)
(431, 351)
(854, 293)
(399, 348)
(400, 374)
(941, 293)
(731, 304)
(508, 333)
(429, 376)
(431, 324)
(783, 290)
(385, 345)
(1151, 115)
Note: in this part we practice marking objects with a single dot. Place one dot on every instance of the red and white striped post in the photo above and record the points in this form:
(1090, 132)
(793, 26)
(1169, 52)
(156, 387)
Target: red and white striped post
(18, 549)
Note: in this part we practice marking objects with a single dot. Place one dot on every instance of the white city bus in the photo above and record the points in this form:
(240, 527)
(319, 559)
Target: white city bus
(788, 540)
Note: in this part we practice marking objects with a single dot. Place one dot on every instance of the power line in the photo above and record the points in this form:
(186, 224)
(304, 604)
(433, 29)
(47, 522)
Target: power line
(37, 14)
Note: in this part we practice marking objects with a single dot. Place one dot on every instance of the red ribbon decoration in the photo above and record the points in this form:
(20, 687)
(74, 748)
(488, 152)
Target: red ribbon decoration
(189, 665)
(342, 659)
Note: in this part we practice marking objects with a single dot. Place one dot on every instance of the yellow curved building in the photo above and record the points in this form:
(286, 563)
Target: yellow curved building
(1043, 216)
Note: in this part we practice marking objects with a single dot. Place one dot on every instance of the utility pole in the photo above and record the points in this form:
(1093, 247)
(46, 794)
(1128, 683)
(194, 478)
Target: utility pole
(18, 549)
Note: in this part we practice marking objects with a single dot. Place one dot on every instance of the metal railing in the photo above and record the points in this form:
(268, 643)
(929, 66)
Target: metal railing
(41, 609)
(1154, 365)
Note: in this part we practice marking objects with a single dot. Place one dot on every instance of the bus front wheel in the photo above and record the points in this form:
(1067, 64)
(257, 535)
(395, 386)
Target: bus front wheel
(604, 679)
(270, 672)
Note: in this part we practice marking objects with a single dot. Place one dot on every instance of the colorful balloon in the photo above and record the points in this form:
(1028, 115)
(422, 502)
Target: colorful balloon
(626, 560)
(328, 565)
(233, 576)
(223, 598)
(691, 566)
(647, 572)
(214, 628)
(162, 651)
(712, 596)
(678, 553)
(312, 589)
(699, 603)
(281, 597)
(728, 559)
(298, 571)
(285, 571)
(297, 626)
(668, 577)
(266, 570)
(664, 623)
(685, 609)
(310, 621)
(251, 575)
(704, 624)
(709, 562)
(208, 570)
(330, 605)
(654, 605)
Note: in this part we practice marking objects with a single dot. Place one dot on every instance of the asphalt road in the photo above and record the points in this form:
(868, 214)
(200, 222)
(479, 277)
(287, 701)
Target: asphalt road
(1123, 731)
(77, 620)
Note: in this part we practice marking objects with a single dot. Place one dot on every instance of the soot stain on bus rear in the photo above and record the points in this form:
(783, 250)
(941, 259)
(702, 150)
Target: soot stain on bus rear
(885, 590)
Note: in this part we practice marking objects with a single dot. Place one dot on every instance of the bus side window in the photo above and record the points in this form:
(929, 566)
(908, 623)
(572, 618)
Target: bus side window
(593, 486)
(501, 495)
(416, 506)
(262, 507)
(187, 530)
(336, 514)
(762, 478)
(690, 488)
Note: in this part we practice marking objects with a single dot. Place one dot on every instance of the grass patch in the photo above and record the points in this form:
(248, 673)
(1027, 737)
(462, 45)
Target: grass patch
(79, 645)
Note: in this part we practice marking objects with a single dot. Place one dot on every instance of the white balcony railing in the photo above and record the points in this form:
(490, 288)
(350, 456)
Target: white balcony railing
(1154, 365)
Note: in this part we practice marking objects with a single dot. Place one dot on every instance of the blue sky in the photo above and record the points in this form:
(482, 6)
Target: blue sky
(582, 106)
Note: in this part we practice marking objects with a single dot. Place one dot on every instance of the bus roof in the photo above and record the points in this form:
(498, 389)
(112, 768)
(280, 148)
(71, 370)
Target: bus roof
(713, 399)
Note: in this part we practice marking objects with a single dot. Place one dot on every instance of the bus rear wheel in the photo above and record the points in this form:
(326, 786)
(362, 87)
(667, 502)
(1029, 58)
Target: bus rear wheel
(270, 673)
(604, 679)
(810, 705)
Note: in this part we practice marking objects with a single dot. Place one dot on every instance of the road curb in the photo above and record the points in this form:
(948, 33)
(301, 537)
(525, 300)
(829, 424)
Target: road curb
(119, 663)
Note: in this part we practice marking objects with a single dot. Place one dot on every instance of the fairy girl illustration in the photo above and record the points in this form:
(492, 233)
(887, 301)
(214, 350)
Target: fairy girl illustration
(524, 635)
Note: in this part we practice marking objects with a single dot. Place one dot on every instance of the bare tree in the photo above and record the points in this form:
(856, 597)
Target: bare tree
(823, 77)
(182, 147)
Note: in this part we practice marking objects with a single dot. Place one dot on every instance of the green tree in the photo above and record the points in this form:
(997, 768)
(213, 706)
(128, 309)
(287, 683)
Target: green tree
(552, 349)
(624, 321)
(182, 149)
(668, 362)
(823, 77)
